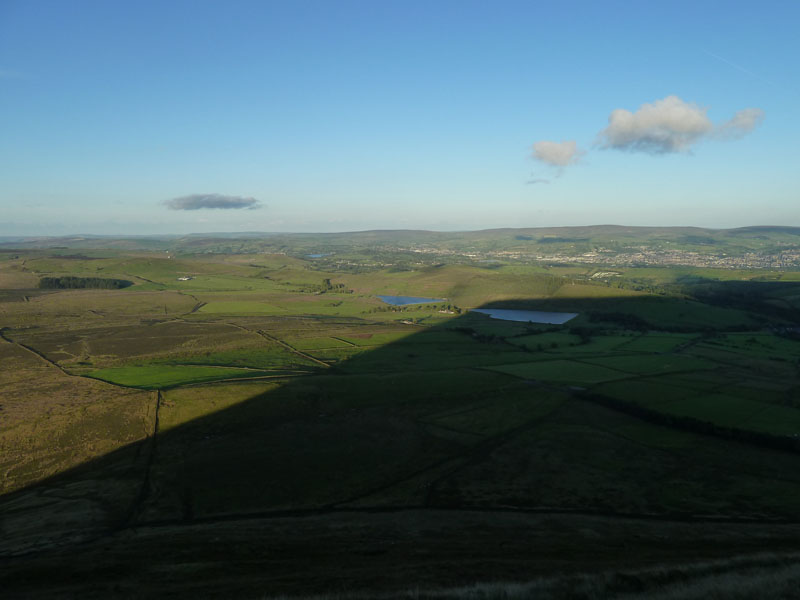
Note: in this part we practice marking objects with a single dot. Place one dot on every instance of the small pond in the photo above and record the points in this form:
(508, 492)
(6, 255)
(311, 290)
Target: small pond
(527, 316)
(323, 255)
(403, 300)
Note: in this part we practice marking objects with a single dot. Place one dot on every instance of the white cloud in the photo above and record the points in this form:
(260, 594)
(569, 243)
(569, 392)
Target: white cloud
(557, 154)
(668, 125)
(742, 123)
(671, 125)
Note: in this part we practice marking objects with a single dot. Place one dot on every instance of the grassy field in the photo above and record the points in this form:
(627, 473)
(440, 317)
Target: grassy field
(561, 371)
(52, 422)
(153, 377)
(253, 407)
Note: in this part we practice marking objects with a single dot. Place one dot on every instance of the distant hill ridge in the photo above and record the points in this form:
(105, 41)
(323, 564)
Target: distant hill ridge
(567, 234)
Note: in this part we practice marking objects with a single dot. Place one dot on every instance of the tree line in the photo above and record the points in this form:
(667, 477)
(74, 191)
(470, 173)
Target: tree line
(80, 283)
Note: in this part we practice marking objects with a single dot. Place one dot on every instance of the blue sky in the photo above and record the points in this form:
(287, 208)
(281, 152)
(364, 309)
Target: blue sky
(337, 116)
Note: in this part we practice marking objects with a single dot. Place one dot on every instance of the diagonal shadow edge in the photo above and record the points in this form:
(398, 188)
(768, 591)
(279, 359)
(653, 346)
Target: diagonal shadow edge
(133, 465)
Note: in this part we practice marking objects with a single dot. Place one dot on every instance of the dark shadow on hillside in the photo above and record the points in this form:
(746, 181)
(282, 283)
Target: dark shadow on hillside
(772, 299)
(421, 424)
(767, 303)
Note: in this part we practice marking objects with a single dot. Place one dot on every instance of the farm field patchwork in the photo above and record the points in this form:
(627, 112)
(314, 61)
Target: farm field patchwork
(259, 392)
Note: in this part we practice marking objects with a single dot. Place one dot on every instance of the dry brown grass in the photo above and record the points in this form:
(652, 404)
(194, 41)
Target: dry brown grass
(52, 421)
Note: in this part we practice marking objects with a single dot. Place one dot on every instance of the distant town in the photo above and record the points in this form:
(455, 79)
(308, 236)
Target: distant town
(636, 257)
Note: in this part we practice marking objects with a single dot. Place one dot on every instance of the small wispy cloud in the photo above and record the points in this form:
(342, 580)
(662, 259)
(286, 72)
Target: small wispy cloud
(557, 154)
(215, 201)
(537, 180)
(742, 123)
(671, 125)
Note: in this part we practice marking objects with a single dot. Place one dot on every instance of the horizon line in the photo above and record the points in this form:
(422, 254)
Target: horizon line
(271, 233)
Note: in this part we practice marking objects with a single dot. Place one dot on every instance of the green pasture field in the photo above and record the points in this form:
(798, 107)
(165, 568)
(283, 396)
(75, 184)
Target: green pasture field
(336, 355)
(748, 404)
(497, 415)
(485, 325)
(648, 391)
(779, 420)
(165, 270)
(252, 307)
(380, 339)
(728, 411)
(652, 342)
(649, 364)
(410, 348)
(316, 343)
(427, 319)
(454, 351)
(546, 341)
(528, 270)
(561, 371)
(759, 344)
(425, 282)
(271, 356)
(675, 273)
(688, 313)
(701, 380)
(761, 390)
(565, 270)
(218, 283)
(777, 368)
(265, 261)
(163, 376)
(286, 305)
(592, 291)
(599, 344)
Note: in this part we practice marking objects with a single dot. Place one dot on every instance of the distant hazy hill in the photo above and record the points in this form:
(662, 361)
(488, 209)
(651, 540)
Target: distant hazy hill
(566, 238)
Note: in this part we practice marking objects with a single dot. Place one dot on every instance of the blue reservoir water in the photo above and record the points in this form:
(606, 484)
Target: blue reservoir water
(527, 316)
(403, 300)
(319, 255)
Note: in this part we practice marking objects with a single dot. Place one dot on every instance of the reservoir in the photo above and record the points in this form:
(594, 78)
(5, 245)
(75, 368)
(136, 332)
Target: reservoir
(527, 316)
(403, 300)
(319, 255)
